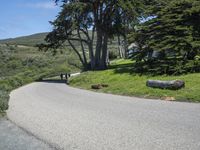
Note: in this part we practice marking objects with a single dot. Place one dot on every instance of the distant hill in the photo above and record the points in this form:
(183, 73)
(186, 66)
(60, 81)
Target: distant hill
(34, 39)
(30, 40)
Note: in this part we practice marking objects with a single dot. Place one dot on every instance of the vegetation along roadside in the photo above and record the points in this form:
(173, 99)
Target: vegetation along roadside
(21, 65)
(122, 80)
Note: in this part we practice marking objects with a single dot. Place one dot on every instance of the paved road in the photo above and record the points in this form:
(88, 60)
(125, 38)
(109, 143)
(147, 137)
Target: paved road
(75, 119)
(14, 138)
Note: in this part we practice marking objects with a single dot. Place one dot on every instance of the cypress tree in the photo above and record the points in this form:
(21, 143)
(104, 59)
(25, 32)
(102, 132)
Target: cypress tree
(174, 33)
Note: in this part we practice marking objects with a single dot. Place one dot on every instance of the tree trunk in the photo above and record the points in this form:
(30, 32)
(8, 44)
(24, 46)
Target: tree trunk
(125, 47)
(173, 85)
(91, 50)
(91, 54)
(78, 54)
(83, 49)
(119, 47)
(98, 49)
(103, 64)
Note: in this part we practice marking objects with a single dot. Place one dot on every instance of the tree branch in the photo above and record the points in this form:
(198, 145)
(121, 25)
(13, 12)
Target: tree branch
(76, 51)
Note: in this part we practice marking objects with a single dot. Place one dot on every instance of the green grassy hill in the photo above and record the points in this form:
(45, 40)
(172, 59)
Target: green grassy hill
(30, 40)
(33, 40)
(22, 63)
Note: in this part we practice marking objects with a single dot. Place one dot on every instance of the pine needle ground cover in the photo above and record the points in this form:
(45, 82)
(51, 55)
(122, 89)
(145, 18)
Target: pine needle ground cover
(122, 81)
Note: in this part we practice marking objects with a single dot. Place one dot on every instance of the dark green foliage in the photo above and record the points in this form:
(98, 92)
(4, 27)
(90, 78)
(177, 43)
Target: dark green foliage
(113, 55)
(167, 66)
(175, 35)
(105, 18)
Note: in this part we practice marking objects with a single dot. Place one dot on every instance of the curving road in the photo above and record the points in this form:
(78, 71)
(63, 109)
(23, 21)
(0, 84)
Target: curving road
(74, 119)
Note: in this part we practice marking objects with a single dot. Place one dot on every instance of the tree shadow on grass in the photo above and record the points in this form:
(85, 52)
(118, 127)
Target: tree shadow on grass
(134, 69)
(123, 68)
(120, 66)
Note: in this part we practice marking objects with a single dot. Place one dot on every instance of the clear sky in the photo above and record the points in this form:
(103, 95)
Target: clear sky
(25, 17)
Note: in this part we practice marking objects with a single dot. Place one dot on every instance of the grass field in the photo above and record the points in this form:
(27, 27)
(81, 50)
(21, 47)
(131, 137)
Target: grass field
(123, 81)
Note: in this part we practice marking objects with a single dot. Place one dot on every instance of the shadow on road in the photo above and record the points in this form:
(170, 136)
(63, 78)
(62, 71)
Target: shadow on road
(53, 81)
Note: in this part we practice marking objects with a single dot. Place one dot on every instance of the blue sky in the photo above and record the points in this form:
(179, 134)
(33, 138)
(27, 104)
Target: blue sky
(25, 17)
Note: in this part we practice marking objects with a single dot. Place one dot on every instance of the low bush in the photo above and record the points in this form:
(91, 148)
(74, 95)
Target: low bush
(113, 55)
(4, 97)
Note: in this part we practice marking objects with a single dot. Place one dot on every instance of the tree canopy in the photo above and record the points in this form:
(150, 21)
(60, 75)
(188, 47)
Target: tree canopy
(167, 32)
(91, 23)
(174, 34)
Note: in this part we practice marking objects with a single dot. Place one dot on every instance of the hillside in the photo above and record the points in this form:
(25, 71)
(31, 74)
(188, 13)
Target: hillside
(22, 63)
(30, 40)
(34, 39)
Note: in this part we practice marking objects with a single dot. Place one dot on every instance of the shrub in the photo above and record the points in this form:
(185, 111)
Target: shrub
(174, 31)
(112, 55)
(35, 61)
(4, 97)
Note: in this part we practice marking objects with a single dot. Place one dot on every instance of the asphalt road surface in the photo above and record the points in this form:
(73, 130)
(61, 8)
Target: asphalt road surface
(74, 119)
(15, 138)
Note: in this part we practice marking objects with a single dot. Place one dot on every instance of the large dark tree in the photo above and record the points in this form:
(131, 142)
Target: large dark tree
(174, 33)
(90, 24)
